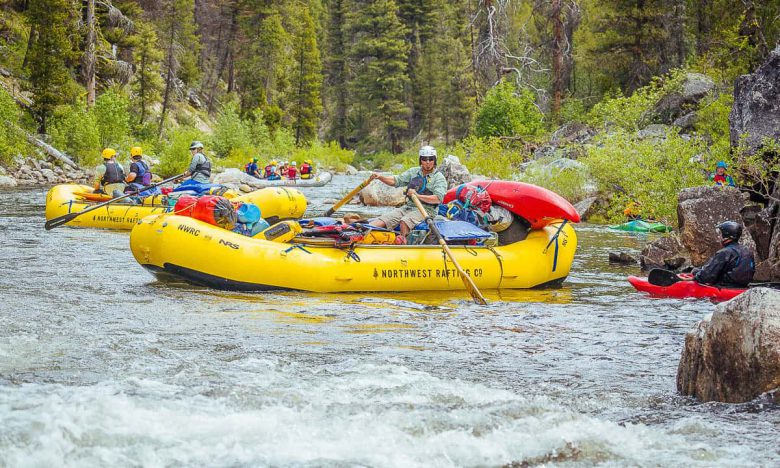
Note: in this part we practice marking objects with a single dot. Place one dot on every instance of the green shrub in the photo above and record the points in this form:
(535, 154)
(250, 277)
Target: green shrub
(324, 155)
(175, 153)
(712, 120)
(112, 116)
(12, 140)
(508, 112)
(649, 171)
(231, 134)
(489, 157)
(571, 183)
(75, 131)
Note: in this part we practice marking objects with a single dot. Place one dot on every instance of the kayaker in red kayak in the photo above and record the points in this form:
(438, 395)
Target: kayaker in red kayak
(733, 265)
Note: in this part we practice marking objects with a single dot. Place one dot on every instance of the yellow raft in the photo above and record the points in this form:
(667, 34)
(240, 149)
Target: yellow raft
(275, 203)
(188, 249)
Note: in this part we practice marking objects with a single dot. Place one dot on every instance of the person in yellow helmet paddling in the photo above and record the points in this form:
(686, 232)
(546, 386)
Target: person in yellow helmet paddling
(306, 170)
(109, 176)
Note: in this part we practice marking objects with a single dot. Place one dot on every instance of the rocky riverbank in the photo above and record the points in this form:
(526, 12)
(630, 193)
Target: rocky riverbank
(42, 172)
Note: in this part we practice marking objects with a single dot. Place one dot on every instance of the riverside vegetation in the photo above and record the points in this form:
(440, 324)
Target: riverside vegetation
(497, 83)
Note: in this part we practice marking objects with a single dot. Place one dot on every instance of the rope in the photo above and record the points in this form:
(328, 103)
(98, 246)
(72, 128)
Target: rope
(500, 265)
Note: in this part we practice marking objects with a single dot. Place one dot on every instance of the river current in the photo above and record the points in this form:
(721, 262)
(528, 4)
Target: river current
(102, 365)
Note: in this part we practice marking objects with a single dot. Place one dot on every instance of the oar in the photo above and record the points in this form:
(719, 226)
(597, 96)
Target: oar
(59, 221)
(347, 197)
(467, 281)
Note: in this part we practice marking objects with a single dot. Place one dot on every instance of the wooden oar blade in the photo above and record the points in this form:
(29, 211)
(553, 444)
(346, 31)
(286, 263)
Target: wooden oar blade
(661, 277)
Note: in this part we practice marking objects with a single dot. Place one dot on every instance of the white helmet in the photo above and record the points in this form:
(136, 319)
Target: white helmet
(294, 163)
(427, 152)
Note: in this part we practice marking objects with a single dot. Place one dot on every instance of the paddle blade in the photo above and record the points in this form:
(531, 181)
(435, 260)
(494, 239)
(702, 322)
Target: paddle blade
(661, 277)
(53, 223)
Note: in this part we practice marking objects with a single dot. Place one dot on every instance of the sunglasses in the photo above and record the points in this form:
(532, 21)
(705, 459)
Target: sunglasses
(427, 158)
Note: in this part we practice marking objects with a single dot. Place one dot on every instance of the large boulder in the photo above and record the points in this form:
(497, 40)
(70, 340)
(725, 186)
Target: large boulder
(666, 252)
(235, 178)
(455, 172)
(756, 110)
(7, 181)
(700, 210)
(380, 194)
(572, 132)
(734, 355)
(694, 88)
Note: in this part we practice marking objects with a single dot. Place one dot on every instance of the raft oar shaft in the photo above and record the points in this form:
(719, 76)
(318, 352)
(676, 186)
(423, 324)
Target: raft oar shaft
(467, 281)
(347, 197)
(60, 220)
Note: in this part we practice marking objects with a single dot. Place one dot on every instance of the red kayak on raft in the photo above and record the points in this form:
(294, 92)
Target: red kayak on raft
(685, 288)
(536, 204)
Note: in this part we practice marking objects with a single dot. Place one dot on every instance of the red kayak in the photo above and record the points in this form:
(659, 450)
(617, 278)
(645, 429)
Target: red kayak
(685, 288)
(536, 204)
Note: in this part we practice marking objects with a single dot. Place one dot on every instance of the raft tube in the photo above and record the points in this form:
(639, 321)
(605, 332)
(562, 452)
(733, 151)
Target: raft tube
(639, 225)
(537, 205)
(188, 249)
(274, 203)
(685, 289)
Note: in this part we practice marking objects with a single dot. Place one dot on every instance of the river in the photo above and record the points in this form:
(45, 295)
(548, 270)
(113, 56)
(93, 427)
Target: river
(101, 365)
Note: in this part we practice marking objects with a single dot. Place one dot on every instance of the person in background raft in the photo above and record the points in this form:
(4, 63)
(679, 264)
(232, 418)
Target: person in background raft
(292, 171)
(720, 177)
(200, 166)
(109, 176)
(139, 176)
(429, 185)
(252, 169)
(733, 265)
(270, 172)
(307, 169)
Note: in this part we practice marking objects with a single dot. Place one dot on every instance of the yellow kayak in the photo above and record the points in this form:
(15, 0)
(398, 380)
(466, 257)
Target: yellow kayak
(274, 203)
(188, 249)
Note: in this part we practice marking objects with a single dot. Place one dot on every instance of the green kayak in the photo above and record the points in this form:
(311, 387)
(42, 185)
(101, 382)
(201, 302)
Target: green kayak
(639, 225)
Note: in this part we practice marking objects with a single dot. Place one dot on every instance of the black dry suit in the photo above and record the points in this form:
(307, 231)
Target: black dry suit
(732, 265)
(114, 174)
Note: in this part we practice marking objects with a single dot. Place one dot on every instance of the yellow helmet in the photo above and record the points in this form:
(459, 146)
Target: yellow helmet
(308, 161)
(136, 151)
(274, 163)
(109, 153)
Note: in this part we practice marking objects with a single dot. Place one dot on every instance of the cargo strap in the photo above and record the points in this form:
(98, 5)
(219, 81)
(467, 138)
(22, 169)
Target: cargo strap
(296, 246)
(500, 265)
(351, 254)
(555, 239)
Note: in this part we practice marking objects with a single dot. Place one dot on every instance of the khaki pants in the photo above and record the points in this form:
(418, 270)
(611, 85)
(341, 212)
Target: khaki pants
(407, 215)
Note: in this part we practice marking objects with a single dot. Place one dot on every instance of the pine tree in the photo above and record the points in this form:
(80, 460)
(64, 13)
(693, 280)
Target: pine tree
(49, 54)
(336, 71)
(379, 52)
(306, 105)
(147, 81)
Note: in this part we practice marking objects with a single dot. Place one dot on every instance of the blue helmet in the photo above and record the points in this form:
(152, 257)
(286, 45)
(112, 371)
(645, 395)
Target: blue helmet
(722, 164)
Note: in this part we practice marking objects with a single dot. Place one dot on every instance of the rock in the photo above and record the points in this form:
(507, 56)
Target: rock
(700, 210)
(455, 172)
(45, 165)
(572, 132)
(5, 72)
(734, 355)
(194, 100)
(584, 207)
(350, 170)
(49, 175)
(758, 225)
(756, 110)
(687, 122)
(671, 106)
(622, 258)
(7, 181)
(665, 252)
(245, 188)
(379, 194)
(234, 178)
(656, 131)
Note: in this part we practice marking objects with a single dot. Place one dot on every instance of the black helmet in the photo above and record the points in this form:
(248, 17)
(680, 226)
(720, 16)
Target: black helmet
(730, 230)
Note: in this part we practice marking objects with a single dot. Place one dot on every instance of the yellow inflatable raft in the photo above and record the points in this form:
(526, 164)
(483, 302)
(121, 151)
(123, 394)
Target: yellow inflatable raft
(275, 203)
(188, 249)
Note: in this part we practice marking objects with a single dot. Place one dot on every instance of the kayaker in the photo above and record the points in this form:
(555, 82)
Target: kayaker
(307, 169)
(139, 176)
(429, 185)
(633, 210)
(720, 177)
(270, 171)
(252, 169)
(731, 266)
(292, 171)
(109, 176)
(200, 166)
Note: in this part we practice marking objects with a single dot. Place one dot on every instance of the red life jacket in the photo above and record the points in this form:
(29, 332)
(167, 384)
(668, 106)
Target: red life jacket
(305, 171)
(291, 171)
(268, 171)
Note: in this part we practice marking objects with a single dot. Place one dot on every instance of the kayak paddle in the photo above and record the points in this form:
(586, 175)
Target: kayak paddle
(467, 281)
(60, 220)
(661, 277)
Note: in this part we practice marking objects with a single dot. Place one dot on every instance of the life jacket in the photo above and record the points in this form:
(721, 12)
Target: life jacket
(723, 180)
(291, 172)
(203, 167)
(270, 172)
(306, 171)
(250, 168)
(142, 174)
(742, 268)
(114, 174)
(420, 185)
